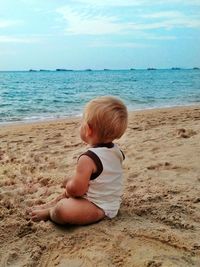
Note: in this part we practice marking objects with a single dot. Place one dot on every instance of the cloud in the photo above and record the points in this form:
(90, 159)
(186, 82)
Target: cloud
(170, 19)
(113, 2)
(163, 14)
(85, 23)
(81, 22)
(166, 25)
(18, 39)
(9, 23)
(98, 43)
(141, 3)
(140, 36)
(153, 36)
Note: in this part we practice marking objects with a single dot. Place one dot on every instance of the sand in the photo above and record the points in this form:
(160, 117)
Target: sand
(159, 219)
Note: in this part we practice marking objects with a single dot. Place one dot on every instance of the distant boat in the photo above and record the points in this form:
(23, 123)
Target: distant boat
(195, 68)
(31, 70)
(132, 69)
(63, 70)
(88, 70)
(44, 70)
(176, 68)
(106, 69)
(151, 69)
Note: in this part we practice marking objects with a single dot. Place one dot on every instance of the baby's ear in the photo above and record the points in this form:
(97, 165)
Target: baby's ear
(88, 130)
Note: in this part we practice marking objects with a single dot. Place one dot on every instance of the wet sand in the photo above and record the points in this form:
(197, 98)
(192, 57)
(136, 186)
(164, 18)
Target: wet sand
(159, 220)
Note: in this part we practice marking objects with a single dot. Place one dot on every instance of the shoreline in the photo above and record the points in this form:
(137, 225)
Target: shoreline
(158, 221)
(78, 116)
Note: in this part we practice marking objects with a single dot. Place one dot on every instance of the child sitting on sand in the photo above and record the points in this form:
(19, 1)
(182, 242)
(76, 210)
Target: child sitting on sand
(95, 190)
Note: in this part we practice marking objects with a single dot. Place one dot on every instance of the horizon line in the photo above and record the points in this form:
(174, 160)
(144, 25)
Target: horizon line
(104, 69)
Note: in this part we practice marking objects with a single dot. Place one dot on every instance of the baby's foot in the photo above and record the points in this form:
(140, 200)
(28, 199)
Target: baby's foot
(47, 205)
(44, 206)
(50, 204)
(40, 215)
(29, 210)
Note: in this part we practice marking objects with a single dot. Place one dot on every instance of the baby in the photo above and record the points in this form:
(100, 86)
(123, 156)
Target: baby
(96, 188)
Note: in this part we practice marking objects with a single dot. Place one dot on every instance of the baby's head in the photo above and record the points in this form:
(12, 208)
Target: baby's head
(107, 116)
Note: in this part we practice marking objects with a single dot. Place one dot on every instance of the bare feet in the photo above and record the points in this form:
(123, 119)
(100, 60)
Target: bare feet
(45, 206)
(50, 204)
(41, 212)
(31, 210)
(40, 215)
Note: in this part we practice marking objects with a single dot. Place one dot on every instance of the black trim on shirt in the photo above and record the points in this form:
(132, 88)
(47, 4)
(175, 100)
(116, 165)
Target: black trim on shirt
(123, 154)
(108, 145)
(97, 162)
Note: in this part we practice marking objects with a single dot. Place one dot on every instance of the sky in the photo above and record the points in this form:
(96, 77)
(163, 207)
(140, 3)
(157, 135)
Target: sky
(97, 34)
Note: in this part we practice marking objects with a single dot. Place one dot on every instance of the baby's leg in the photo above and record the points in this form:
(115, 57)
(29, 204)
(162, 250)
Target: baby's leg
(76, 211)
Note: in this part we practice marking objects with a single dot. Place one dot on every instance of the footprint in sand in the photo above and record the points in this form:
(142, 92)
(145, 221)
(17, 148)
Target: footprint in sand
(184, 133)
(160, 166)
(166, 166)
(26, 229)
(153, 263)
(13, 258)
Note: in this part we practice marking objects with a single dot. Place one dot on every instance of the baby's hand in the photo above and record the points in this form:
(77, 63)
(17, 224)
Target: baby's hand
(64, 183)
(67, 194)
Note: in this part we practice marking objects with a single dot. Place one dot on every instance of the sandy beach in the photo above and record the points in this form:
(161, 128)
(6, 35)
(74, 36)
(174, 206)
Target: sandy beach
(159, 220)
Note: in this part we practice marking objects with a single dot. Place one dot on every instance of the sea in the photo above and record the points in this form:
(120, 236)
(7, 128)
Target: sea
(27, 96)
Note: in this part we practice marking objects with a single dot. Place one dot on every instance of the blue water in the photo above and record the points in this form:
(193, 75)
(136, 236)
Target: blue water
(28, 96)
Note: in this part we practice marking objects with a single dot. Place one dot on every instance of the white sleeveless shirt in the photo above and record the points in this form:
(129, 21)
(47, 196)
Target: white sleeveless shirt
(105, 186)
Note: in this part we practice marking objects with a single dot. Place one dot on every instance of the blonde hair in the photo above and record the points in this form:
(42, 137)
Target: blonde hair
(107, 116)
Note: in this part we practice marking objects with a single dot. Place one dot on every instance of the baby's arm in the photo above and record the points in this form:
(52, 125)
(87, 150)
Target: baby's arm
(78, 185)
